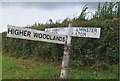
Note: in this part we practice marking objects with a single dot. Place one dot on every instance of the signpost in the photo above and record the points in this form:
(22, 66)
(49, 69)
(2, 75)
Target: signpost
(76, 32)
(31, 34)
(55, 35)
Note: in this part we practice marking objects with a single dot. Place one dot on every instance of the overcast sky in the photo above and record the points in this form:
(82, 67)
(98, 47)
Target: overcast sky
(27, 13)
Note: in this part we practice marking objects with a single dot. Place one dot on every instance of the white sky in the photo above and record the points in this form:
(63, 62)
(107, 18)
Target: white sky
(23, 14)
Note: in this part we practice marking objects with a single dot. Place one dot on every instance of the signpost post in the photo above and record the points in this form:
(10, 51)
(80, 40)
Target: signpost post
(66, 56)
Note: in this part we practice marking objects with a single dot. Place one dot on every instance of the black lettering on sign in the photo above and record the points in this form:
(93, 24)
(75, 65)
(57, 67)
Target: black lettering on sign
(29, 33)
(59, 38)
(51, 38)
(25, 33)
(48, 36)
(81, 34)
(35, 34)
(63, 39)
(21, 32)
(84, 34)
(92, 30)
(10, 30)
(16, 32)
(85, 30)
(78, 29)
(40, 35)
(95, 30)
(44, 36)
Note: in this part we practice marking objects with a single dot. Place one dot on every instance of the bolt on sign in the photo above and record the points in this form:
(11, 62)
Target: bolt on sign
(31, 34)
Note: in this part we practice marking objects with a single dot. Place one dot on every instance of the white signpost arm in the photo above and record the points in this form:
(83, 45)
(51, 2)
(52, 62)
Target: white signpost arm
(66, 56)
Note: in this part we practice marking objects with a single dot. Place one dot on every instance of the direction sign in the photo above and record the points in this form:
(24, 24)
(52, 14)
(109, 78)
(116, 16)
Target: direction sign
(77, 31)
(57, 30)
(31, 34)
(86, 32)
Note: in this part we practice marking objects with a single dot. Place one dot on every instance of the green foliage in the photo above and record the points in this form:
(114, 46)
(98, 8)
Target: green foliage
(83, 13)
(107, 11)
(101, 67)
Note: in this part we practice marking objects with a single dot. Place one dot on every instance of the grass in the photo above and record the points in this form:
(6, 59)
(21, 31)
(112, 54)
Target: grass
(13, 68)
(16, 69)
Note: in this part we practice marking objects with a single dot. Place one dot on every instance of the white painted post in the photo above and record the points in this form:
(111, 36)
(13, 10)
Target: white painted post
(66, 56)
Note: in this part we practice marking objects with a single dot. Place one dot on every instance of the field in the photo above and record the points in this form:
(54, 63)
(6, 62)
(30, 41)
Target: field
(13, 68)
